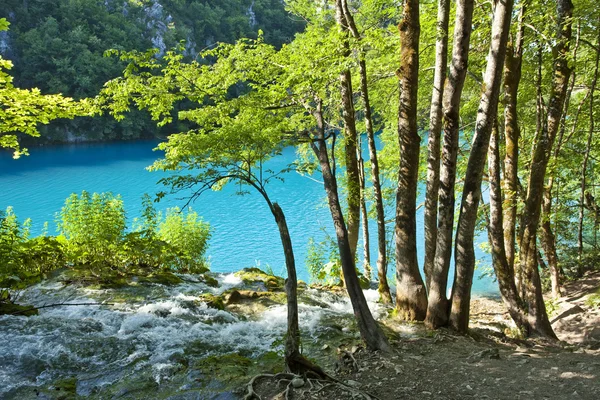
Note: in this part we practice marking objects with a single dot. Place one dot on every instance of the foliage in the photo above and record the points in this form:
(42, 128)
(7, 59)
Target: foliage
(93, 225)
(21, 110)
(58, 46)
(94, 240)
(25, 260)
(323, 261)
(188, 236)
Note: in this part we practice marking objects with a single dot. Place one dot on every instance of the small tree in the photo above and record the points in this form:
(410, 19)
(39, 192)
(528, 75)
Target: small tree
(235, 137)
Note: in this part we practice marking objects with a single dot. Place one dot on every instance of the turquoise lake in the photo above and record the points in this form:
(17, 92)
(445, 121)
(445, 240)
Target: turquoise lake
(245, 233)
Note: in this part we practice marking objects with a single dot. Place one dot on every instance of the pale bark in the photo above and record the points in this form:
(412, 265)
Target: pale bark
(411, 296)
(433, 140)
(383, 286)
(365, 215)
(538, 318)
(486, 115)
(548, 238)
(437, 310)
(502, 268)
(369, 330)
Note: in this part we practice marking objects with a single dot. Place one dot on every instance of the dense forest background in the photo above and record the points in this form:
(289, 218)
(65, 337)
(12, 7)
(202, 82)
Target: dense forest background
(58, 47)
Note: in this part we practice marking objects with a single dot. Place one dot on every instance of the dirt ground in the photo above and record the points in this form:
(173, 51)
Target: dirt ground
(486, 364)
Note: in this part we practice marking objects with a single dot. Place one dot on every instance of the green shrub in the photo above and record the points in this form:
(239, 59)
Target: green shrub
(12, 236)
(188, 236)
(94, 226)
(24, 261)
(94, 241)
(323, 261)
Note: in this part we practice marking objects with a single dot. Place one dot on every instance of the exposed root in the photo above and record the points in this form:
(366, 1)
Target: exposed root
(312, 386)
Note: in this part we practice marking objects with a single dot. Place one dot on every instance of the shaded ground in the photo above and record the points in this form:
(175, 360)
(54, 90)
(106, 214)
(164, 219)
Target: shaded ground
(484, 365)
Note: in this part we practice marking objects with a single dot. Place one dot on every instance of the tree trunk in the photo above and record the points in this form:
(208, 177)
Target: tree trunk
(383, 287)
(433, 140)
(292, 339)
(295, 362)
(365, 216)
(411, 296)
(437, 310)
(486, 115)
(350, 142)
(369, 330)
(537, 315)
(548, 238)
(512, 79)
(497, 235)
(584, 163)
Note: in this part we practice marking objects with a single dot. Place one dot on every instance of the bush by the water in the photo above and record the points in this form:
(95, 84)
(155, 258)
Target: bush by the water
(94, 239)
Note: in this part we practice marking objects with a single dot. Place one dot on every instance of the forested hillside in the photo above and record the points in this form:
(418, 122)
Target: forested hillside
(58, 46)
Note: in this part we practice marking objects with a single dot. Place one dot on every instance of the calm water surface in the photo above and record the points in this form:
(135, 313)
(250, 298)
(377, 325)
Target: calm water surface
(245, 233)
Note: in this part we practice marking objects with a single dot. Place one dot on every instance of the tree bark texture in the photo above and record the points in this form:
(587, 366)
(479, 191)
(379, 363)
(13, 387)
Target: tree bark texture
(538, 318)
(411, 296)
(369, 330)
(497, 235)
(512, 79)
(433, 140)
(365, 215)
(383, 286)
(437, 310)
(548, 238)
(292, 340)
(350, 143)
(486, 115)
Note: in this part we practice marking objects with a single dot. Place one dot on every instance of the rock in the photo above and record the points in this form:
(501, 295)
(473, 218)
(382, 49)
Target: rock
(352, 383)
(297, 383)
(487, 353)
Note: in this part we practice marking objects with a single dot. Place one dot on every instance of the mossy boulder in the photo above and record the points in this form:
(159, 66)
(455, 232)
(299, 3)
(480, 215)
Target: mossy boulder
(253, 276)
(166, 278)
(209, 280)
(251, 302)
(213, 301)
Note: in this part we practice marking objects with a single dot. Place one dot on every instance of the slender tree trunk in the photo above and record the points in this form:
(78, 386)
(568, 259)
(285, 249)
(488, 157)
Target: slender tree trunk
(438, 307)
(584, 163)
(548, 238)
(512, 79)
(292, 340)
(433, 140)
(365, 215)
(537, 315)
(350, 142)
(383, 287)
(497, 236)
(486, 115)
(411, 296)
(369, 330)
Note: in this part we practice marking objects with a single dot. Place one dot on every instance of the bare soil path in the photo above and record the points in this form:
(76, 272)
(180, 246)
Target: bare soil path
(486, 364)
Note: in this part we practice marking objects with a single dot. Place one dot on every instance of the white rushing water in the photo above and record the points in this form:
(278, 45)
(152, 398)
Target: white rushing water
(145, 336)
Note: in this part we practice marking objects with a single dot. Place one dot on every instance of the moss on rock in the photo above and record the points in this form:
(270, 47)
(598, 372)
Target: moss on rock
(255, 275)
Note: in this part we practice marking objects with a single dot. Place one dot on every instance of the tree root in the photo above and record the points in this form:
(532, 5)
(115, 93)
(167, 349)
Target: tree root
(316, 385)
